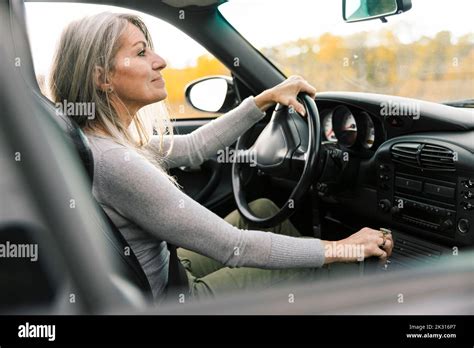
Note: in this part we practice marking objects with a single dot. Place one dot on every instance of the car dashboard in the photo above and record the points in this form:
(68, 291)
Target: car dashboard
(402, 163)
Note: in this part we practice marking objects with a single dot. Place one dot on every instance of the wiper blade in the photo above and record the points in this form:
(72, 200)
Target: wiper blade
(466, 103)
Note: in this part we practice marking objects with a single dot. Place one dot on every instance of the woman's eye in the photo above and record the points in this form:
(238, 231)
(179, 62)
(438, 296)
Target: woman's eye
(141, 53)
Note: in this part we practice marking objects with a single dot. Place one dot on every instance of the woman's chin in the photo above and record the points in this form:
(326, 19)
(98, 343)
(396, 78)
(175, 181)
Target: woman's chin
(162, 95)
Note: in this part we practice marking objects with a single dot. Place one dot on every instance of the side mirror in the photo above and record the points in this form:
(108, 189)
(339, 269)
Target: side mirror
(212, 94)
(363, 10)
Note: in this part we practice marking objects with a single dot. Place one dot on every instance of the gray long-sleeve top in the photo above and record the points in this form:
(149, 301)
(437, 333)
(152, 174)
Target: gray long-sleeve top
(150, 211)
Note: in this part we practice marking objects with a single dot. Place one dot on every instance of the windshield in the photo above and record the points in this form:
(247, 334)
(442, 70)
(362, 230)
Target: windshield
(425, 53)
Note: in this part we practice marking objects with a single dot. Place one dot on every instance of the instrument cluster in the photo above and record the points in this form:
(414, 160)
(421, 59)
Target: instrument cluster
(350, 129)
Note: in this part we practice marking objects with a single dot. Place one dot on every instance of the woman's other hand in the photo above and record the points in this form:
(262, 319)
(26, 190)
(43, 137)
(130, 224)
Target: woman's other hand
(363, 244)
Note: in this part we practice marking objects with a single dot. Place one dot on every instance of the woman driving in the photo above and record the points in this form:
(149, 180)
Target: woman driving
(108, 60)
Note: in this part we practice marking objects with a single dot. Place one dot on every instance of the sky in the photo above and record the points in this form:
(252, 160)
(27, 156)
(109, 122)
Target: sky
(263, 22)
(307, 18)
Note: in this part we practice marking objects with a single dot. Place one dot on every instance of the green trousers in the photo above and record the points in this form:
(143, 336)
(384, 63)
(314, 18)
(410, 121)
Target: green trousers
(209, 278)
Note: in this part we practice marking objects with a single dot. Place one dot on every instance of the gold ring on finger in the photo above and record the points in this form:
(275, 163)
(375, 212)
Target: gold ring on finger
(385, 231)
(384, 241)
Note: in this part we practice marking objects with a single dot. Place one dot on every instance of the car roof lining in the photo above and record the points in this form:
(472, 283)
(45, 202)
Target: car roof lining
(171, 3)
(199, 3)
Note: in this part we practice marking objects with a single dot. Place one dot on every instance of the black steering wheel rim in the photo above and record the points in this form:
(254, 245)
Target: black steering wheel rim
(310, 157)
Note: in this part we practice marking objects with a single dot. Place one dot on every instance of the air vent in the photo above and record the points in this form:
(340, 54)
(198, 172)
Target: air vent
(437, 157)
(424, 156)
(406, 153)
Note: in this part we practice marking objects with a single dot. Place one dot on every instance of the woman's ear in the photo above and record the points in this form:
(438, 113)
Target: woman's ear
(100, 79)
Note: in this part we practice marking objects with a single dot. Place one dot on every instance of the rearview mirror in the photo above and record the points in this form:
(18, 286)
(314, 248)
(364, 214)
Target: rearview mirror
(363, 10)
(212, 94)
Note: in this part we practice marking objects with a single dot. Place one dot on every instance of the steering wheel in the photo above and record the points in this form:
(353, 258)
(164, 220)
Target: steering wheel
(285, 147)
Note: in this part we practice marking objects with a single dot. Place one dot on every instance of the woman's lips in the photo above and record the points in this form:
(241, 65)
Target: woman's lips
(159, 80)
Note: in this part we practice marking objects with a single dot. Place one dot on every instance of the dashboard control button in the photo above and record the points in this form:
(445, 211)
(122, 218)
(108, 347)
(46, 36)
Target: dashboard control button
(468, 183)
(385, 205)
(467, 206)
(468, 194)
(447, 224)
(383, 167)
(463, 225)
(408, 184)
(395, 121)
(438, 190)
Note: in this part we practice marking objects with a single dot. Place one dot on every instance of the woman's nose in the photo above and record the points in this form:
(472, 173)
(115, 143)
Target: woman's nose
(158, 63)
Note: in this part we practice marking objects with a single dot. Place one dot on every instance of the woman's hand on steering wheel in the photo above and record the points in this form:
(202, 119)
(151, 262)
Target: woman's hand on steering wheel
(285, 93)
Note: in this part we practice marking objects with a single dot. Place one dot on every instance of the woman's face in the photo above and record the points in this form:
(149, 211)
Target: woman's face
(136, 78)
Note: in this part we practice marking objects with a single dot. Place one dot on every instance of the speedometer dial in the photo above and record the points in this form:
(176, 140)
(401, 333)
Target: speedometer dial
(345, 126)
(327, 127)
(368, 137)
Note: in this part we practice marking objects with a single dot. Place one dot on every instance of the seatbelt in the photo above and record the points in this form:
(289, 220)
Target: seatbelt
(177, 277)
(130, 259)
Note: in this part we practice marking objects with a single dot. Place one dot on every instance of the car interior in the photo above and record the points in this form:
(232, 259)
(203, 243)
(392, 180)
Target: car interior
(346, 166)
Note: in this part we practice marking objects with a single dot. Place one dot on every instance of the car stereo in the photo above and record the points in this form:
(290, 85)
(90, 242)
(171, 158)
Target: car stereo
(438, 203)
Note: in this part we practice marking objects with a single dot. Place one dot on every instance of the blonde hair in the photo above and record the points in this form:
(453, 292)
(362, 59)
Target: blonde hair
(93, 42)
